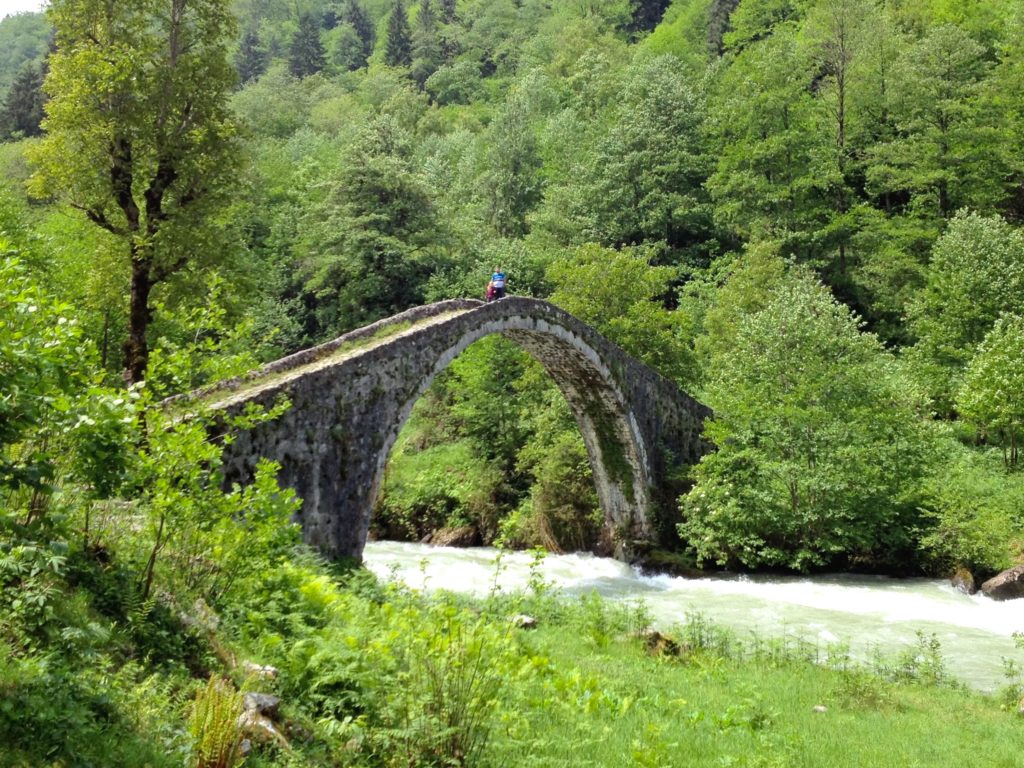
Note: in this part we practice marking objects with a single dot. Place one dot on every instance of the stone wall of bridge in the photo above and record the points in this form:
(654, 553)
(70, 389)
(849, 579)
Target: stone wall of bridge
(351, 397)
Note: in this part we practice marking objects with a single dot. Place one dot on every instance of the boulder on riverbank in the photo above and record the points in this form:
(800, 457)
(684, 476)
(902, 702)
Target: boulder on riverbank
(963, 581)
(1008, 585)
(463, 536)
(658, 644)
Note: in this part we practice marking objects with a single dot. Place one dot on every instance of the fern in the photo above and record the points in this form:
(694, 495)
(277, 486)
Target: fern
(214, 725)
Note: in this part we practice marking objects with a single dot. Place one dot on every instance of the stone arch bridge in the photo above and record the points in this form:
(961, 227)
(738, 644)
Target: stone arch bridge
(351, 396)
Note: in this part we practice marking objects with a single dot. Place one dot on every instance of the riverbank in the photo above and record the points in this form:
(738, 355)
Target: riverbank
(376, 674)
(707, 707)
(383, 675)
(870, 615)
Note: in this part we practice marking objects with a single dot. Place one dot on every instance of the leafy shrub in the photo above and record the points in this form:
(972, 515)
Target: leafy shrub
(972, 508)
(990, 397)
(441, 485)
(457, 83)
(55, 714)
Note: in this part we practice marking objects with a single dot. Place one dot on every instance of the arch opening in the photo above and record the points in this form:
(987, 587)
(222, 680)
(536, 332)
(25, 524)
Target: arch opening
(583, 407)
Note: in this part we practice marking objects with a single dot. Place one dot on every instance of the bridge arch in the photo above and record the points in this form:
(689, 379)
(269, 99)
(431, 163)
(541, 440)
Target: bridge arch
(351, 397)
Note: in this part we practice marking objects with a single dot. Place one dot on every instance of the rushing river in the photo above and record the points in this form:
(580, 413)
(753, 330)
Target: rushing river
(865, 612)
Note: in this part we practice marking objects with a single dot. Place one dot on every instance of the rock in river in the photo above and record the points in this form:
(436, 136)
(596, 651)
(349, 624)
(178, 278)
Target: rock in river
(1008, 585)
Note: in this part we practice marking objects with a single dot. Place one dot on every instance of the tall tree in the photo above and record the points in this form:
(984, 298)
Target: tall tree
(398, 46)
(251, 59)
(448, 11)
(835, 31)
(820, 448)
(22, 110)
(946, 154)
(426, 46)
(991, 395)
(976, 274)
(140, 136)
(646, 14)
(761, 117)
(371, 241)
(510, 185)
(355, 15)
(306, 54)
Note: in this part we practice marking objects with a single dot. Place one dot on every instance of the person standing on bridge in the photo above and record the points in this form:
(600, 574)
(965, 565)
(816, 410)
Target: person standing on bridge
(496, 288)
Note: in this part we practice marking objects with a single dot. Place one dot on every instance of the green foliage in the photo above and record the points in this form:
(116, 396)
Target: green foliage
(819, 447)
(95, 714)
(991, 394)
(511, 184)
(306, 54)
(426, 45)
(972, 509)
(561, 513)
(22, 110)
(442, 485)
(640, 176)
(195, 536)
(746, 290)
(397, 679)
(686, 32)
(40, 368)
(356, 17)
(398, 46)
(457, 83)
(199, 346)
(618, 293)
(757, 19)
(150, 160)
(451, 681)
(976, 273)
(251, 59)
(766, 185)
(24, 38)
(947, 156)
(213, 725)
(372, 233)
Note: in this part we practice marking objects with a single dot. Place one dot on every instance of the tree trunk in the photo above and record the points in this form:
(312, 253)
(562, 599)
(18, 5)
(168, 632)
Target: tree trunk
(136, 350)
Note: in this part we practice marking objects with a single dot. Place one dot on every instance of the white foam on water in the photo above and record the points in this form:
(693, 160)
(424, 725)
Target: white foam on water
(865, 612)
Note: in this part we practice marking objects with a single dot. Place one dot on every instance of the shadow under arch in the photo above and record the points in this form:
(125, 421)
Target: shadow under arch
(352, 396)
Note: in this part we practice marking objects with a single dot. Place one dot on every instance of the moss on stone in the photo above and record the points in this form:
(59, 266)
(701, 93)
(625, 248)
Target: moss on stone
(613, 453)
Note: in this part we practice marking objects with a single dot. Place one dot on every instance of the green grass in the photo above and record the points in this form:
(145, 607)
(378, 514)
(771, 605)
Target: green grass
(378, 675)
(584, 690)
(622, 707)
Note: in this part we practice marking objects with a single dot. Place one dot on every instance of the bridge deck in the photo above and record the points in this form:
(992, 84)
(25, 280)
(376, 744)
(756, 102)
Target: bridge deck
(242, 390)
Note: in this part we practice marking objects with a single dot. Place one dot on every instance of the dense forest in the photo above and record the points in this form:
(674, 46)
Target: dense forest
(807, 213)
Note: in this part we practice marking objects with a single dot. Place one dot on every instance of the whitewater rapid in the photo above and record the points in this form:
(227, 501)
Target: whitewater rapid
(863, 612)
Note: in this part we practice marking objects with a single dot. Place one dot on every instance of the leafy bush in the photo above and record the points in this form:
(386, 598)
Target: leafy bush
(441, 485)
(991, 395)
(976, 273)
(973, 513)
(41, 356)
(618, 292)
(406, 680)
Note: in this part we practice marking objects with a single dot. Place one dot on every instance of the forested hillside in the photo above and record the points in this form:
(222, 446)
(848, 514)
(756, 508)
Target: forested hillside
(807, 213)
(682, 177)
